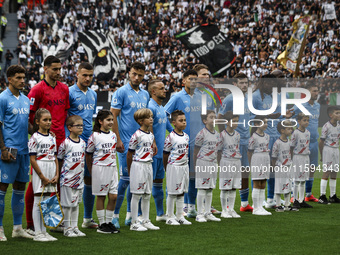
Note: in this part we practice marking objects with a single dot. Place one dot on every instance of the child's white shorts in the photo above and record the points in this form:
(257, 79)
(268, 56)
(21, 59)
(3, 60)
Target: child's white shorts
(260, 166)
(330, 159)
(177, 179)
(104, 180)
(141, 177)
(282, 180)
(48, 169)
(70, 197)
(205, 174)
(300, 169)
(230, 174)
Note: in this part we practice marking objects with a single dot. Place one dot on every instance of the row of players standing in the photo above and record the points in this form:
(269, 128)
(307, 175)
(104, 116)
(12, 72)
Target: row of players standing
(54, 96)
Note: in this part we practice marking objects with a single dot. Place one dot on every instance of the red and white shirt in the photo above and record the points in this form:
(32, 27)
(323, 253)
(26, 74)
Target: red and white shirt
(259, 143)
(141, 143)
(178, 147)
(300, 141)
(103, 147)
(230, 145)
(281, 151)
(331, 134)
(56, 100)
(43, 146)
(72, 171)
(209, 143)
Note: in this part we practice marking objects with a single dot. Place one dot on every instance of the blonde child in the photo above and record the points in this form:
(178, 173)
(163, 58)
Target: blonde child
(282, 162)
(42, 149)
(299, 147)
(139, 159)
(175, 160)
(101, 162)
(258, 156)
(230, 174)
(205, 156)
(329, 150)
(71, 155)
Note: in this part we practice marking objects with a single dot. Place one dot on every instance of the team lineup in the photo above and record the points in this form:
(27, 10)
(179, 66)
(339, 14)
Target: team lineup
(194, 155)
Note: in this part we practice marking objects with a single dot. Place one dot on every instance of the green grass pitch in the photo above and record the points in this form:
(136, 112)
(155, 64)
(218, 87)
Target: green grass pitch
(309, 231)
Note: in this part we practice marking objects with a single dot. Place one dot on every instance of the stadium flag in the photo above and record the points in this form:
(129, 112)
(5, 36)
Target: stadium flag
(291, 57)
(101, 52)
(210, 46)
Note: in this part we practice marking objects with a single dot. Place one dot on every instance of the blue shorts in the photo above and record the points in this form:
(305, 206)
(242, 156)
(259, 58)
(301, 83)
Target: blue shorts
(314, 153)
(158, 168)
(244, 153)
(17, 170)
(123, 171)
(86, 170)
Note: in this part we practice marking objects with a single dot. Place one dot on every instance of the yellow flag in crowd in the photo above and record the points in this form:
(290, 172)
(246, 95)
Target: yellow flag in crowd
(291, 57)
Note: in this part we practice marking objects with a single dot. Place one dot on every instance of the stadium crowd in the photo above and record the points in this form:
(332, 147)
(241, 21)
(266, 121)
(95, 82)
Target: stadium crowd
(144, 31)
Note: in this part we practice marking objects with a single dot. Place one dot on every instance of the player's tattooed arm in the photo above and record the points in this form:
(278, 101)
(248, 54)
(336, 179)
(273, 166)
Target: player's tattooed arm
(5, 154)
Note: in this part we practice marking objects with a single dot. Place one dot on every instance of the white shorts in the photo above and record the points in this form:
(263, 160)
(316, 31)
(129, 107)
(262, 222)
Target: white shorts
(300, 171)
(206, 174)
(282, 181)
(177, 179)
(104, 180)
(330, 158)
(260, 166)
(70, 197)
(48, 169)
(230, 174)
(141, 177)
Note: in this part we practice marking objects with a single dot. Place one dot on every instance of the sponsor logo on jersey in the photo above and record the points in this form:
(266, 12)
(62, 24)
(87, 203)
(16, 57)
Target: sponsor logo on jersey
(56, 102)
(187, 109)
(16, 111)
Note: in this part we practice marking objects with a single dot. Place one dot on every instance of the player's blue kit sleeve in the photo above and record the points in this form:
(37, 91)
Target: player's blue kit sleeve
(169, 108)
(117, 101)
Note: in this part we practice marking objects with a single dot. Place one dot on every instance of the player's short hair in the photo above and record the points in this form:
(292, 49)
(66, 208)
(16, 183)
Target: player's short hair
(240, 76)
(175, 114)
(280, 127)
(14, 69)
(301, 115)
(138, 66)
(332, 109)
(72, 119)
(230, 115)
(101, 115)
(205, 116)
(199, 67)
(37, 116)
(257, 117)
(49, 60)
(142, 114)
(85, 65)
(152, 83)
(189, 72)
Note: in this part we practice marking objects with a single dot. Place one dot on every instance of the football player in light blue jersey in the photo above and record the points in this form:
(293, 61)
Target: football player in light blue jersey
(14, 163)
(125, 102)
(314, 108)
(83, 102)
(158, 94)
(241, 81)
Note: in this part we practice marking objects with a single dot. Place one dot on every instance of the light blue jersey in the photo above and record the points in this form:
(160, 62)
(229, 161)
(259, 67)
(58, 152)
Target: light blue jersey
(313, 126)
(227, 105)
(128, 101)
(84, 105)
(192, 108)
(160, 121)
(14, 114)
